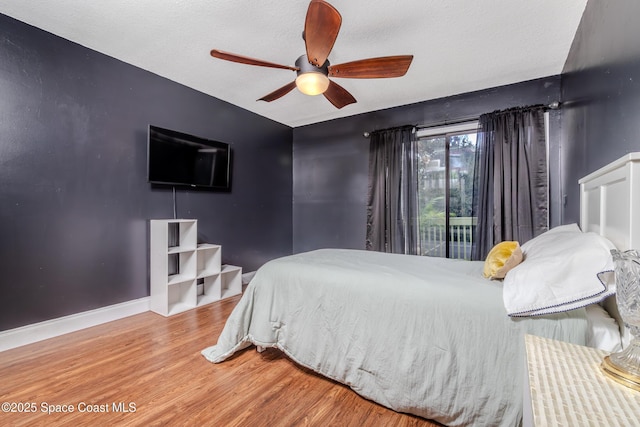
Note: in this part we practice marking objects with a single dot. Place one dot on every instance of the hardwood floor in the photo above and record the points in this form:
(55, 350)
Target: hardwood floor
(147, 370)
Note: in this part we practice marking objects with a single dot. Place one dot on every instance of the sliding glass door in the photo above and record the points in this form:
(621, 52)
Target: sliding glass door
(445, 190)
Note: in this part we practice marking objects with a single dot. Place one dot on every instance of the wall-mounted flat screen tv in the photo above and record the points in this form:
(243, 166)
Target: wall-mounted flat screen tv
(176, 158)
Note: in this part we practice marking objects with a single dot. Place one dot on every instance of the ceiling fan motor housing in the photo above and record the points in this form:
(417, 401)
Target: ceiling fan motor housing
(304, 66)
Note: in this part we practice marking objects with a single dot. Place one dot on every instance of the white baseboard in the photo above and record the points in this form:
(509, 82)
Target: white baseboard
(63, 325)
(246, 277)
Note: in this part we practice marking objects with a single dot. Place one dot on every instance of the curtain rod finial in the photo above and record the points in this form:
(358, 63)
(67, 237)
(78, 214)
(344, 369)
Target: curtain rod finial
(554, 105)
(366, 134)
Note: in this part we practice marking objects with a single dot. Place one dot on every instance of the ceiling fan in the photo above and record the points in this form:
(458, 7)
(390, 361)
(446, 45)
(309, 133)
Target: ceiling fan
(313, 70)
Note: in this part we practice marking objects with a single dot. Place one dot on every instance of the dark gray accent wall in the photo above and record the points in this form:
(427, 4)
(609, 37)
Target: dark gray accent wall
(330, 168)
(74, 200)
(600, 94)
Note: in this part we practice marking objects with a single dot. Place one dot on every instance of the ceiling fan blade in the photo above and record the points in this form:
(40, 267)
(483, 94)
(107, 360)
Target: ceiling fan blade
(279, 93)
(246, 60)
(321, 29)
(338, 96)
(373, 68)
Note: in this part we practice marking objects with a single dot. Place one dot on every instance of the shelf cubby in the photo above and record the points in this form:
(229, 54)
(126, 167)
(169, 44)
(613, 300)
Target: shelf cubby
(231, 281)
(209, 258)
(211, 289)
(180, 297)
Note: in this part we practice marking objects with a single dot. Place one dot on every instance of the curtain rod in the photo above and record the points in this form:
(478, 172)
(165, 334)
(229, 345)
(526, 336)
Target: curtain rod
(449, 122)
(552, 106)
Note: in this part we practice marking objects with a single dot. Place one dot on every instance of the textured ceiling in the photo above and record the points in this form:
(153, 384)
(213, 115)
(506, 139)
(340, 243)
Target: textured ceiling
(458, 45)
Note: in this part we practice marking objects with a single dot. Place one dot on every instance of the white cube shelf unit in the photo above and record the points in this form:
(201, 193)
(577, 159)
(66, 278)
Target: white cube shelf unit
(183, 273)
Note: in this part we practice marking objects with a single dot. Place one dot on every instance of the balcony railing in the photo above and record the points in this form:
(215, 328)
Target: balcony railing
(434, 238)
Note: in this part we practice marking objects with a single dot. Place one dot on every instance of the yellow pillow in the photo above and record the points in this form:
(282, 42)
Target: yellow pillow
(502, 258)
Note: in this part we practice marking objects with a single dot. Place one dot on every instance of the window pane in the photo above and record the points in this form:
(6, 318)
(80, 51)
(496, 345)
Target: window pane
(461, 162)
(431, 195)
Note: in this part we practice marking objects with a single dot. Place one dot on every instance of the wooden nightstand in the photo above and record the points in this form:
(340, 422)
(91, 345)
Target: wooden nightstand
(564, 386)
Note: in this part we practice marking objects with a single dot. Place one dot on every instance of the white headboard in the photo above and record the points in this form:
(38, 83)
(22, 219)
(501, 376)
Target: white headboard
(610, 202)
(610, 206)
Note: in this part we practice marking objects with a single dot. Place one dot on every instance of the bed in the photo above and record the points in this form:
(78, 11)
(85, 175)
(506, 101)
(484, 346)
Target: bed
(432, 336)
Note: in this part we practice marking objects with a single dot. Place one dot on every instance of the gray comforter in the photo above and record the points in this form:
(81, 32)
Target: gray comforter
(427, 336)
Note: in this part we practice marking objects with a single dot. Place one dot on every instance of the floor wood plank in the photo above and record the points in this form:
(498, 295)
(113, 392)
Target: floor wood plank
(152, 367)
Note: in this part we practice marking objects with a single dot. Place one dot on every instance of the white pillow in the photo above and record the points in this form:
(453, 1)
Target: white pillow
(604, 332)
(562, 228)
(560, 272)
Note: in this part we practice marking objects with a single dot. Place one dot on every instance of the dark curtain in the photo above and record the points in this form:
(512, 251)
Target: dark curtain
(392, 212)
(511, 195)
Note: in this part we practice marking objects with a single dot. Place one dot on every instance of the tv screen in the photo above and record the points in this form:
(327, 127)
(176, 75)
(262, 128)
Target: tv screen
(175, 158)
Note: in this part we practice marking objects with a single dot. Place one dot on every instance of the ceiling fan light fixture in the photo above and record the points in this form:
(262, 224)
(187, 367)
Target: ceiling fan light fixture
(311, 80)
(312, 83)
